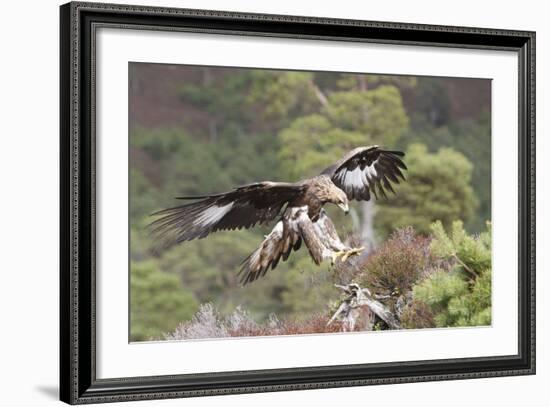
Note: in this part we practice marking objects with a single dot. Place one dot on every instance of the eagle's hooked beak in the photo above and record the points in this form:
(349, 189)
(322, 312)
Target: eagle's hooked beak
(344, 206)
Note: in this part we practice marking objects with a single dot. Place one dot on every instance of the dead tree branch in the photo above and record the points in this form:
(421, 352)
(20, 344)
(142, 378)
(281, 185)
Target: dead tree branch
(354, 304)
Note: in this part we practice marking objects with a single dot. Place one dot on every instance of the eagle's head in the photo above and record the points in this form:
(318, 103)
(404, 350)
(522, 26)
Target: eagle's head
(340, 199)
(326, 191)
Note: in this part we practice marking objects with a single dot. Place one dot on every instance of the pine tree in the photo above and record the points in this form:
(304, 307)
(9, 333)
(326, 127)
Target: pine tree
(459, 295)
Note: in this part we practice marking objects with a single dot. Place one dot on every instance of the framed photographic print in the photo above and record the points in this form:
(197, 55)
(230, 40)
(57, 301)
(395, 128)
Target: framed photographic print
(255, 203)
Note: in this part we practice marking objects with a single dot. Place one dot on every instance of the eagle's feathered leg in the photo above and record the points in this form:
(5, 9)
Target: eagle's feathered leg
(311, 236)
(329, 236)
(320, 238)
(285, 237)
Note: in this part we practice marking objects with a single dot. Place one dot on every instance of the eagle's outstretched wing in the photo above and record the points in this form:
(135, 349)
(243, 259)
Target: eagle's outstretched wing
(243, 207)
(366, 170)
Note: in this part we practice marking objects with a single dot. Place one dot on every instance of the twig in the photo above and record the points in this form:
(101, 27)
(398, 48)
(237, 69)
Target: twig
(468, 269)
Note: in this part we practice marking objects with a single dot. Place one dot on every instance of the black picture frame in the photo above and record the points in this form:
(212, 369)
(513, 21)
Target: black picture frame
(78, 382)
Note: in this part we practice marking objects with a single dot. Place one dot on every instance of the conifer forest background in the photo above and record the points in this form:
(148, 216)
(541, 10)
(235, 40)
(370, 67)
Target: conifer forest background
(195, 130)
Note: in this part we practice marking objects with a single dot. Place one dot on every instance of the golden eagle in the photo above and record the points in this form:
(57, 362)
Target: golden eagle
(362, 172)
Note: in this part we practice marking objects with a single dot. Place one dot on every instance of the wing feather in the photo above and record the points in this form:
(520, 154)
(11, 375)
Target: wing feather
(368, 170)
(244, 207)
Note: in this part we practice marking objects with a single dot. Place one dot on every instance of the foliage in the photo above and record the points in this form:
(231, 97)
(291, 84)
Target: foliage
(283, 94)
(417, 315)
(437, 188)
(208, 323)
(208, 267)
(158, 302)
(307, 141)
(470, 136)
(460, 295)
(219, 95)
(365, 82)
(348, 118)
(454, 302)
(377, 114)
(306, 287)
(472, 254)
(397, 264)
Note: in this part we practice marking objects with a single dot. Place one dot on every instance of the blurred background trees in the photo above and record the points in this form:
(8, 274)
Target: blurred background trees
(200, 130)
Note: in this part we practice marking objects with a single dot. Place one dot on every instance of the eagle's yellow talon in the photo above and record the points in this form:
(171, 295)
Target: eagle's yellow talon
(335, 256)
(346, 254)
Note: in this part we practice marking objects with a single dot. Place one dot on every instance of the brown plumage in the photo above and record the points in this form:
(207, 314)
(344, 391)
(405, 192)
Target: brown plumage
(363, 172)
